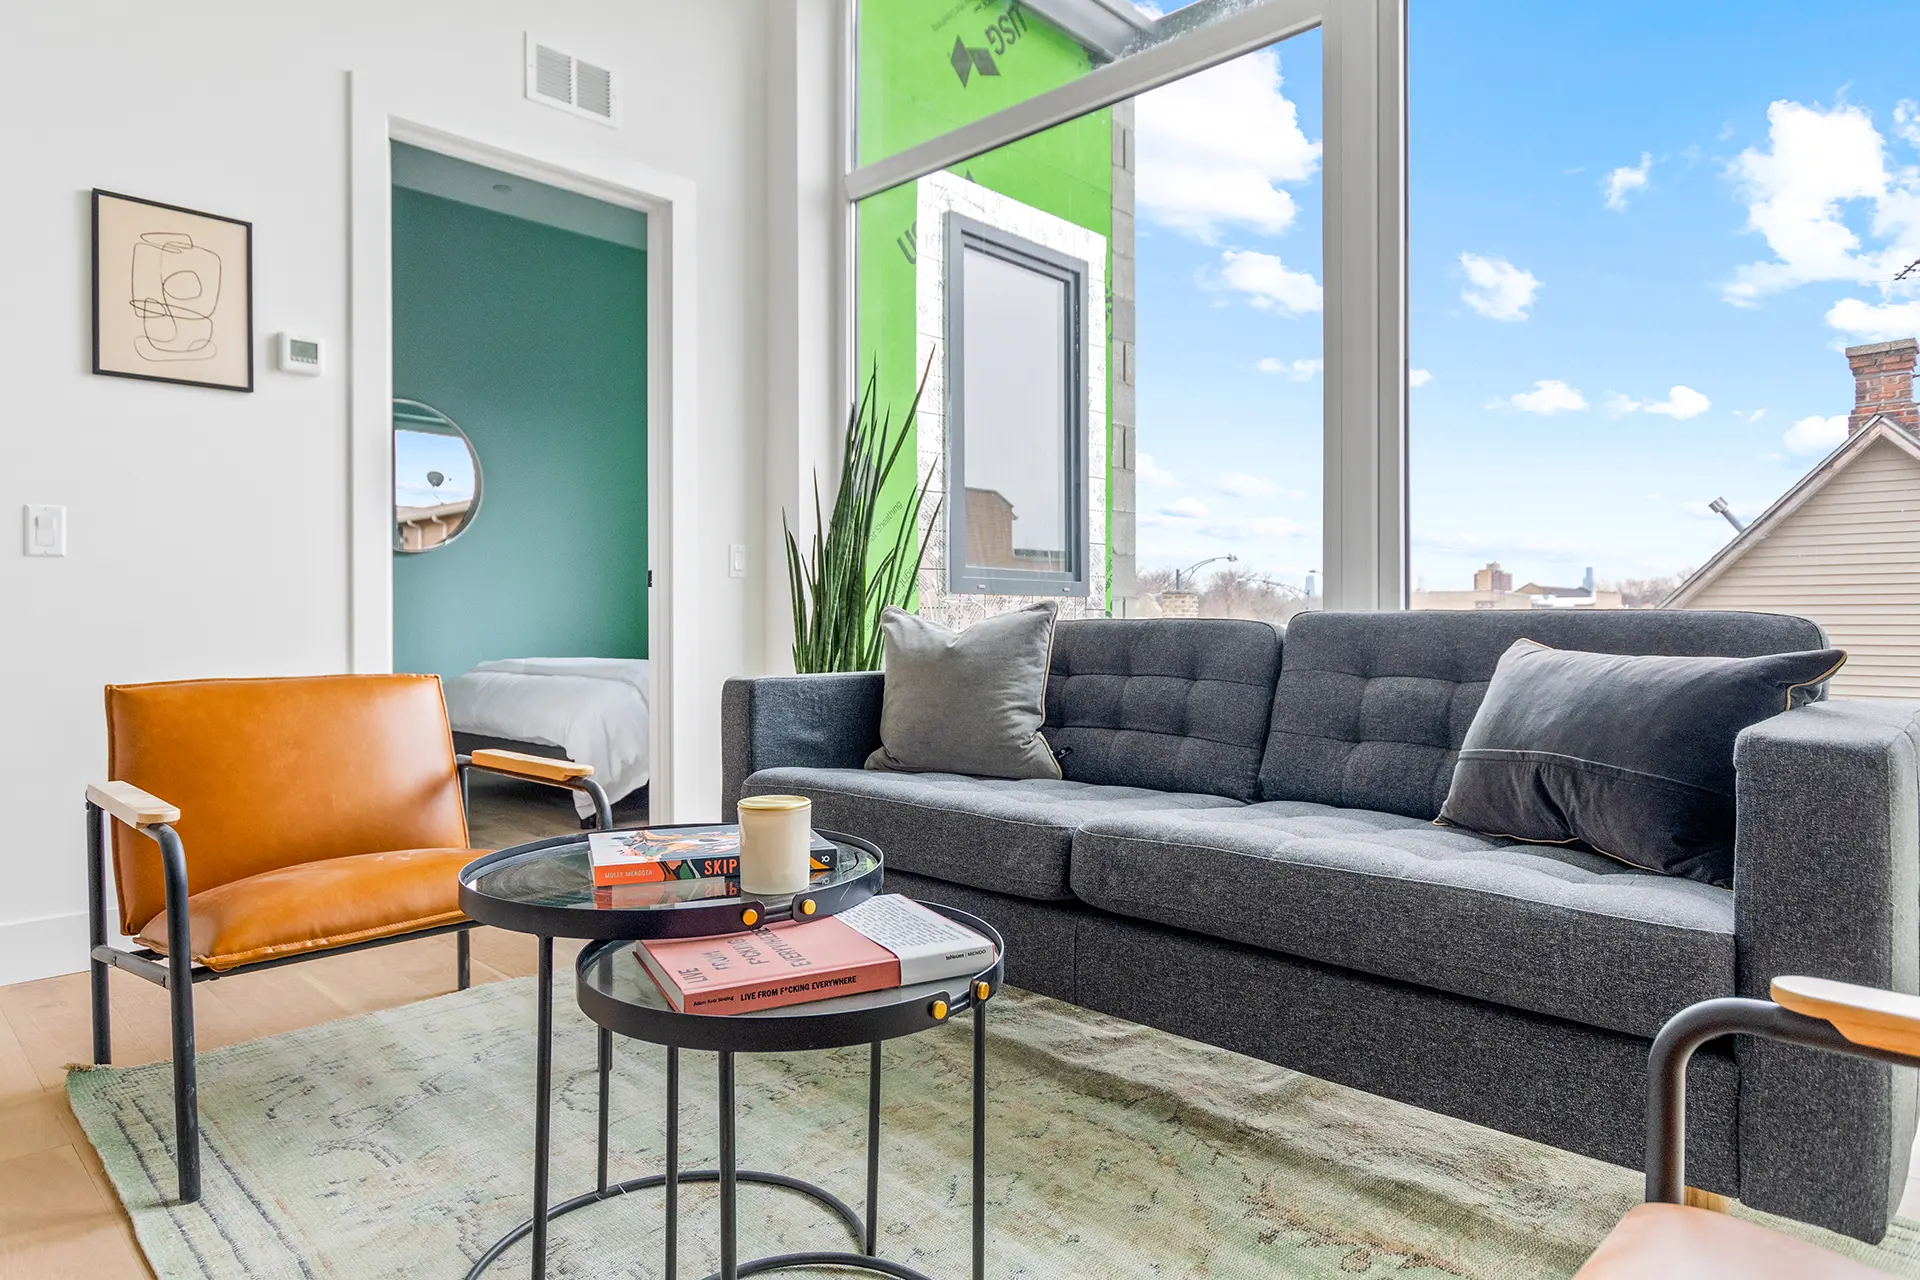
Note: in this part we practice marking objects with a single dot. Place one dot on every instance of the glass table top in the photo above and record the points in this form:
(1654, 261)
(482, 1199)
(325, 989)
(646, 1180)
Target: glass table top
(555, 875)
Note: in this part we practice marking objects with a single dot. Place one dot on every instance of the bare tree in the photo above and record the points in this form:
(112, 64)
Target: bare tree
(1648, 593)
(1231, 593)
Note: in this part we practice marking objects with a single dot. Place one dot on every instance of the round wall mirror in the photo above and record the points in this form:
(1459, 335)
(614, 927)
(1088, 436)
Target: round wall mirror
(436, 478)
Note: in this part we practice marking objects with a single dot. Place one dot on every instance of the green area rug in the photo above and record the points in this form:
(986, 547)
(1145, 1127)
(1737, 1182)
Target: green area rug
(399, 1144)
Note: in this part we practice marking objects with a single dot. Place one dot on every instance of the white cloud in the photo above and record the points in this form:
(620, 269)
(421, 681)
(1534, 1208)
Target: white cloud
(1186, 509)
(1419, 377)
(1549, 396)
(1625, 179)
(1269, 283)
(1906, 121)
(1243, 485)
(1297, 371)
(1681, 403)
(1496, 288)
(1152, 473)
(1815, 434)
(1753, 417)
(1797, 191)
(1214, 146)
(1875, 322)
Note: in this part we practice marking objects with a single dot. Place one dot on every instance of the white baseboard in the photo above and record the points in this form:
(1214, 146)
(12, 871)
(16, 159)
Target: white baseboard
(43, 947)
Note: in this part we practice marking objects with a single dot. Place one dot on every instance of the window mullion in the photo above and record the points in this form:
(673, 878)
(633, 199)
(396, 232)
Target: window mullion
(1364, 239)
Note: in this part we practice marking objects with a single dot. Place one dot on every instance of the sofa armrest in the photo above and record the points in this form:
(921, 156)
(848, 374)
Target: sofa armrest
(817, 721)
(1827, 883)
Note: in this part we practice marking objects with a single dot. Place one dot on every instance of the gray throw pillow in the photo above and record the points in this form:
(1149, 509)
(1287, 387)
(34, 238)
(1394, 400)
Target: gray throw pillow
(966, 701)
(1631, 756)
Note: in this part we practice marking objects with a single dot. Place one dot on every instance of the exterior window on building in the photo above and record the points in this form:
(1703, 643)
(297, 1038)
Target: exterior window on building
(1017, 425)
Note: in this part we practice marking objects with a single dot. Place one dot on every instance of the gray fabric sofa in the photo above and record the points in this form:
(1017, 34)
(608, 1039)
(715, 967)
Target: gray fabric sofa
(1242, 852)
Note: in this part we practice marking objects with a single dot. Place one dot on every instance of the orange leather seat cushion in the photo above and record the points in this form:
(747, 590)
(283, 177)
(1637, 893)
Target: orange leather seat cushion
(315, 905)
(271, 774)
(1674, 1242)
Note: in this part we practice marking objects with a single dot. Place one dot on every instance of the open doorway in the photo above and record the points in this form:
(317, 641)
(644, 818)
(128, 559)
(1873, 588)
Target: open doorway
(521, 558)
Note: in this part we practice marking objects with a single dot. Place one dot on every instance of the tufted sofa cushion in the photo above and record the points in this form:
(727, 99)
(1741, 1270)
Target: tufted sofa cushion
(1012, 836)
(1370, 708)
(1559, 931)
(1171, 704)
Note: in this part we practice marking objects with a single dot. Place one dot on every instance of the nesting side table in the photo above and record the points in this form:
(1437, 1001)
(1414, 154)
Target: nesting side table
(616, 991)
(546, 889)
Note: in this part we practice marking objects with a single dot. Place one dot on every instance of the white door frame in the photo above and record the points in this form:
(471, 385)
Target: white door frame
(380, 116)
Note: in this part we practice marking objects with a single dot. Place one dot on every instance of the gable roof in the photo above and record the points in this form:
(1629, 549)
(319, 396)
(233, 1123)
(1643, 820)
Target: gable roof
(1877, 429)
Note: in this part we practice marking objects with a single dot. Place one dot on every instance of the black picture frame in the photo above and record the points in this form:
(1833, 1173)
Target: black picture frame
(108, 367)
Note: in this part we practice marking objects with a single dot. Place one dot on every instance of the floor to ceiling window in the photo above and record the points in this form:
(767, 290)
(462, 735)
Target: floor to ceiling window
(1641, 235)
(1230, 381)
(1178, 466)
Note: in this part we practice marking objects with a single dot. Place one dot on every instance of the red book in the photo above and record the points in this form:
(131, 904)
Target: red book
(661, 854)
(886, 941)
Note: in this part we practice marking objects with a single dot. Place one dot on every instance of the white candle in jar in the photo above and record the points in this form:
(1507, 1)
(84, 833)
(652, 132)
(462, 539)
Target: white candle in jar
(776, 839)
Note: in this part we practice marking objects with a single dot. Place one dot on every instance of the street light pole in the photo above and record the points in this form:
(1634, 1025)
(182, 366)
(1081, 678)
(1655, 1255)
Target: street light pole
(1188, 572)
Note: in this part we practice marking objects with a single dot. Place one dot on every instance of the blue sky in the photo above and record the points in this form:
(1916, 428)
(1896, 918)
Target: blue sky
(415, 453)
(1640, 235)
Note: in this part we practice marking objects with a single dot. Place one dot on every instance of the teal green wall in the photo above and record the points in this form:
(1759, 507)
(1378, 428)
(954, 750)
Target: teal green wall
(533, 339)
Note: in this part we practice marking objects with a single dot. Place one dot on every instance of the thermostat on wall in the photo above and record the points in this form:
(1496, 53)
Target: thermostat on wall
(297, 355)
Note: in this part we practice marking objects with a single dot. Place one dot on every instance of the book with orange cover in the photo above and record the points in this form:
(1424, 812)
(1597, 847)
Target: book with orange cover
(887, 941)
(654, 855)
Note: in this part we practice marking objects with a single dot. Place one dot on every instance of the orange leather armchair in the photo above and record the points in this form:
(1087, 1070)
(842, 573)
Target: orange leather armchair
(301, 816)
(1670, 1237)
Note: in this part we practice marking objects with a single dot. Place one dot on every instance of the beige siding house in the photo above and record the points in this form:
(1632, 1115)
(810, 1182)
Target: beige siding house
(1842, 547)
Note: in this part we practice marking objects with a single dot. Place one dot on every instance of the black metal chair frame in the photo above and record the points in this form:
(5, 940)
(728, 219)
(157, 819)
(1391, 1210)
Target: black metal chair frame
(1673, 1049)
(176, 971)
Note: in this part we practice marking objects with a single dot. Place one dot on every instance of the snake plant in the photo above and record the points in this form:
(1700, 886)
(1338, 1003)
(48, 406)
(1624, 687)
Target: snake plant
(862, 558)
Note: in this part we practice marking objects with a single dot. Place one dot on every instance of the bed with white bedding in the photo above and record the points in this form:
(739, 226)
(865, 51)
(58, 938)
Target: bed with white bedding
(597, 710)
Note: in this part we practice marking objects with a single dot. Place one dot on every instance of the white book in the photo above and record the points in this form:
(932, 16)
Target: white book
(929, 945)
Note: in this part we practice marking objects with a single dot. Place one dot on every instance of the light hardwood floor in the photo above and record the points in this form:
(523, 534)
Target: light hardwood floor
(59, 1216)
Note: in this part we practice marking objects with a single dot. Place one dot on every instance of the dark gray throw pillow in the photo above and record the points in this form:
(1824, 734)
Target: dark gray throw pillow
(966, 701)
(1630, 756)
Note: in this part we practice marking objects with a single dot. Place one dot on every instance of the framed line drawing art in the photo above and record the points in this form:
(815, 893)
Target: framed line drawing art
(172, 294)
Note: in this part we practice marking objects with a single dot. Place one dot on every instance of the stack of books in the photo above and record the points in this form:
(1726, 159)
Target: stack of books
(679, 853)
(887, 941)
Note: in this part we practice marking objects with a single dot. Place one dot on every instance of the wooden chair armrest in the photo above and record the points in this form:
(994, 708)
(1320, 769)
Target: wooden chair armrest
(520, 764)
(131, 805)
(1865, 1015)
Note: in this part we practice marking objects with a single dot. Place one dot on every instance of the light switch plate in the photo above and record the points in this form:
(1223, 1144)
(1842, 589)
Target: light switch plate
(737, 560)
(45, 530)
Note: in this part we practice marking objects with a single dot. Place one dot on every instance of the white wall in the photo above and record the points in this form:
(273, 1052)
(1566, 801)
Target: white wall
(807, 333)
(241, 109)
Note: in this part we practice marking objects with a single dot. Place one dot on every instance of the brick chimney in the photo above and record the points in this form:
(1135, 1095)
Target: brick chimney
(1883, 384)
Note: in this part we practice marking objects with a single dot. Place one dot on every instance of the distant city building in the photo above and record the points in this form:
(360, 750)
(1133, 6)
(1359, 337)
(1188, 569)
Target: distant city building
(1493, 589)
(1842, 547)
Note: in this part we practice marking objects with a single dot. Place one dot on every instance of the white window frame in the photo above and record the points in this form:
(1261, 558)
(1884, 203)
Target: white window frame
(1364, 245)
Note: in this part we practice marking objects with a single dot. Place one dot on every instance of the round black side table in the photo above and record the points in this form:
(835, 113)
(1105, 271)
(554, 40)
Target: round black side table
(546, 889)
(616, 991)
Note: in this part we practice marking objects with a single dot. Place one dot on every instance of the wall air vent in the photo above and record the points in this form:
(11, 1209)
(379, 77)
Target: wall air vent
(571, 84)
